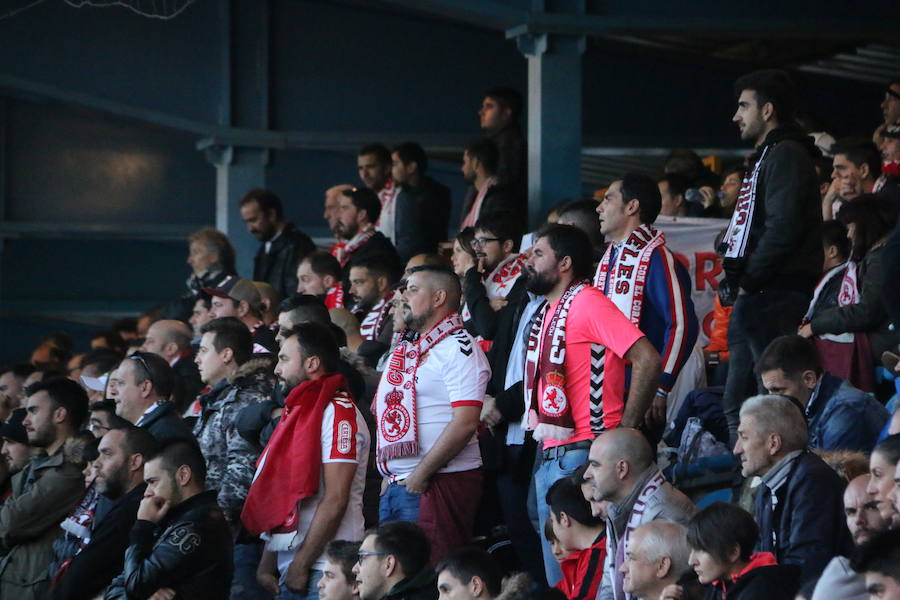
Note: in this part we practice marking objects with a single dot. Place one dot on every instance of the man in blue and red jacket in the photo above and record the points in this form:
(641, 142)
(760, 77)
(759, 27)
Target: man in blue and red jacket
(642, 277)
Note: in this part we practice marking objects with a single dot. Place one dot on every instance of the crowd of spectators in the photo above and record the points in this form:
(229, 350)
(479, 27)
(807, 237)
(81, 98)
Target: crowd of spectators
(392, 416)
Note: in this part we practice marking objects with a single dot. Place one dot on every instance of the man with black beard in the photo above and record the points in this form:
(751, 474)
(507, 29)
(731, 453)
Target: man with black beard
(284, 246)
(120, 477)
(428, 406)
(575, 364)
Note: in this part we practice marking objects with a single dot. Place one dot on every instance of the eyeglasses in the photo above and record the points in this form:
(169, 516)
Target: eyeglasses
(144, 364)
(483, 241)
(361, 554)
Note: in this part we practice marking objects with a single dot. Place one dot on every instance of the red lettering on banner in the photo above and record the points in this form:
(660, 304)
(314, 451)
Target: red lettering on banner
(707, 323)
(702, 276)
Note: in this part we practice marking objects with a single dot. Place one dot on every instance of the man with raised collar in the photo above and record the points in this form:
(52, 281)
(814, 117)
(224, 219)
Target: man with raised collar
(283, 245)
(427, 407)
(359, 209)
(144, 383)
(370, 286)
(322, 441)
(645, 281)
(319, 274)
(622, 471)
(570, 393)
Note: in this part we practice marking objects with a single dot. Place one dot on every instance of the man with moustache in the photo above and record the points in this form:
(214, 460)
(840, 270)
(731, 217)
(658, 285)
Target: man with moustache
(120, 477)
(358, 211)
(322, 441)
(427, 411)
(319, 274)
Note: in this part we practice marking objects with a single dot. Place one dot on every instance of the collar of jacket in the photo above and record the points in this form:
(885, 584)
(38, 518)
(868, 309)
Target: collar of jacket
(203, 498)
(136, 493)
(423, 578)
(789, 131)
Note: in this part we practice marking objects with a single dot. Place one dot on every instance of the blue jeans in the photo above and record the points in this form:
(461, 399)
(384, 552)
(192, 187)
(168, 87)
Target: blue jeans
(312, 589)
(547, 473)
(243, 584)
(398, 505)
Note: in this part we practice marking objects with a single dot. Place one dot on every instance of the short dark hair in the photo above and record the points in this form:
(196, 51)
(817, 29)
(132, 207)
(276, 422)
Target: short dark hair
(175, 453)
(465, 238)
(880, 554)
(447, 278)
(345, 554)
(380, 151)
(859, 152)
(503, 224)
(568, 240)
(305, 308)
(365, 199)
(507, 97)
(148, 365)
(873, 216)
(230, 332)
(774, 86)
(646, 191)
(20, 371)
(105, 359)
(112, 339)
(678, 183)
(137, 440)
(792, 354)
(411, 152)
(315, 339)
(406, 542)
(486, 152)
(109, 407)
(323, 263)
(834, 233)
(466, 563)
(721, 526)
(376, 268)
(65, 393)
(889, 448)
(565, 496)
(266, 200)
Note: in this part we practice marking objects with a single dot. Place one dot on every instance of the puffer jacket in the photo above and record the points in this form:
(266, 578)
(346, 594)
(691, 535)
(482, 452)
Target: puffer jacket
(44, 493)
(189, 551)
(230, 458)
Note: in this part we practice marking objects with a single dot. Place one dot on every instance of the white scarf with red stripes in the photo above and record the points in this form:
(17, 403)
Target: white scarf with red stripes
(501, 280)
(373, 323)
(387, 195)
(738, 233)
(625, 281)
(364, 235)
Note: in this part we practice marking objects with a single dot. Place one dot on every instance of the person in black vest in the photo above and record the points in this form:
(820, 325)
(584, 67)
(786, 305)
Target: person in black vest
(283, 244)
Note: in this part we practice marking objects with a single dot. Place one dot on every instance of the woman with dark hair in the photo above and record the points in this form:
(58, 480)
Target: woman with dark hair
(463, 256)
(722, 537)
(852, 336)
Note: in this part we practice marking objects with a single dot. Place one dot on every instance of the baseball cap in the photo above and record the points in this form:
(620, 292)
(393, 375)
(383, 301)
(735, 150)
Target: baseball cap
(13, 428)
(96, 384)
(237, 289)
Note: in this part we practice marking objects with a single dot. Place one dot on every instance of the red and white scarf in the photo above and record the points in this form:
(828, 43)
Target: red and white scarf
(294, 470)
(387, 195)
(374, 321)
(847, 296)
(343, 253)
(626, 279)
(501, 280)
(550, 416)
(635, 520)
(334, 298)
(472, 216)
(738, 233)
(395, 400)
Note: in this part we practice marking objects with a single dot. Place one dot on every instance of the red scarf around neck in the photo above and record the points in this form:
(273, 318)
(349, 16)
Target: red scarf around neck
(289, 468)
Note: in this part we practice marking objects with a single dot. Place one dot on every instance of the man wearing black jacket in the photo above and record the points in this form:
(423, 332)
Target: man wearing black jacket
(284, 246)
(486, 194)
(422, 207)
(773, 245)
(359, 210)
(120, 477)
(180, 542)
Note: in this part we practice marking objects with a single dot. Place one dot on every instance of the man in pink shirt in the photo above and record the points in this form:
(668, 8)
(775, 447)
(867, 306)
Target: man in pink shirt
(575, 363)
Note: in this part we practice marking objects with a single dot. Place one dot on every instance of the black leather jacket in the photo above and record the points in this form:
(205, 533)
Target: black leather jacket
(279, 266)
(190, 551)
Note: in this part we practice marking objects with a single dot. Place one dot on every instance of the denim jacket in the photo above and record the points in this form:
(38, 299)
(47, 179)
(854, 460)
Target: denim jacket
(842, 417)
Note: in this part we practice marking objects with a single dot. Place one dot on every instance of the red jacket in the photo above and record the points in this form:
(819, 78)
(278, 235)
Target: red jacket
(582, 571)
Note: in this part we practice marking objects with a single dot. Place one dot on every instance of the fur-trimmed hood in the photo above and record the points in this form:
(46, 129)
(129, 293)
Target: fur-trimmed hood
(260, 366)
(73, 451)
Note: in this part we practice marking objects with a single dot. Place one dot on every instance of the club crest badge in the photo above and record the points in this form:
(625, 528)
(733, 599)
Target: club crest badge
(554, 402)
(395, 420)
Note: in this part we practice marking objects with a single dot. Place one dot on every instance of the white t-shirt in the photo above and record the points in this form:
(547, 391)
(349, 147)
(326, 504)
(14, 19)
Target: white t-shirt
(453, 373)
(337, 447)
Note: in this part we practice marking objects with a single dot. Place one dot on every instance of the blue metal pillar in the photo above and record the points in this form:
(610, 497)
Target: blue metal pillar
(244, 104)
(554, 113)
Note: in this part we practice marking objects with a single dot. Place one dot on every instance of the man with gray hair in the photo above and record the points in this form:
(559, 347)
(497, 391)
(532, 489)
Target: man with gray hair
(623, 472)
(656, 556)
(799, 503)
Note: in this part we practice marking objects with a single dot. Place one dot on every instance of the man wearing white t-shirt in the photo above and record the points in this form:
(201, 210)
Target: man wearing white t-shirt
(322, 498)
(428, 406)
